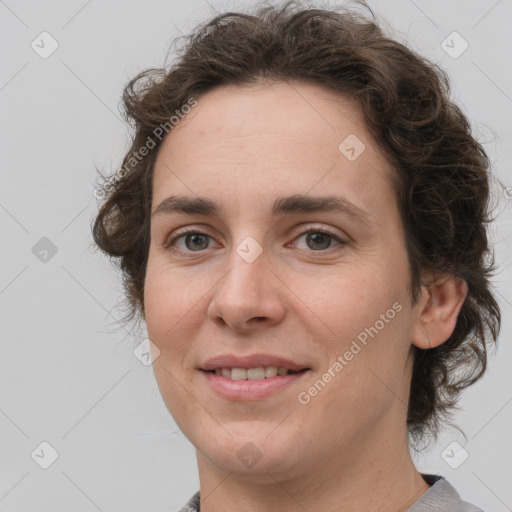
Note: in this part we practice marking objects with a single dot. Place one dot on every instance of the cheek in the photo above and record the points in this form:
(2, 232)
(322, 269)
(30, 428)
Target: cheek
(348, 299)
(168, 299)
(363, 316)
(168, 315)
(364, 376)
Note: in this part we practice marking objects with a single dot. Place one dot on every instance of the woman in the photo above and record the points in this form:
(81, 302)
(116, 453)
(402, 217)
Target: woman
(300, 222)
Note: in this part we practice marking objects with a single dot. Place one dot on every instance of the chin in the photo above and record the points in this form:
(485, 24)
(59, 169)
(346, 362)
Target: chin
(252, 458)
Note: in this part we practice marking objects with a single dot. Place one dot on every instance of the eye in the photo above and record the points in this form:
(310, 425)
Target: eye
(318, 239)
(191, 241)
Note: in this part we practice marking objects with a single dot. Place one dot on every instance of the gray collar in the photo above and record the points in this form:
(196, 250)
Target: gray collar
(441, 497)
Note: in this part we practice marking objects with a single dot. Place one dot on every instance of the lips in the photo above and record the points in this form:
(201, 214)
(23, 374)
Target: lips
(254, 377)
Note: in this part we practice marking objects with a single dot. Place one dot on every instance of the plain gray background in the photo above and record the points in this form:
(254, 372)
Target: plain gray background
(68, 375)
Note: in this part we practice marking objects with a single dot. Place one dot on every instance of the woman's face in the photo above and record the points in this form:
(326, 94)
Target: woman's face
(275, 278)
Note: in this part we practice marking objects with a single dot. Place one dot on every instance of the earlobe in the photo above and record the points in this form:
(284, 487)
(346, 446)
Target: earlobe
(438, 309)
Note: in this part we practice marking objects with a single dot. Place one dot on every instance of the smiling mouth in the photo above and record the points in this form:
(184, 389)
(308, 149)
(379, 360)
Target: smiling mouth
(257, 373)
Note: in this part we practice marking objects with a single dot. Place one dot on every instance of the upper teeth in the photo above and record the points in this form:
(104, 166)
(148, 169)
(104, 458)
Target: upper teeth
(259, 373)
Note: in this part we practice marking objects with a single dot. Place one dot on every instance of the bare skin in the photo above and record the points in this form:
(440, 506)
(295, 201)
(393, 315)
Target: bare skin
(306, 297)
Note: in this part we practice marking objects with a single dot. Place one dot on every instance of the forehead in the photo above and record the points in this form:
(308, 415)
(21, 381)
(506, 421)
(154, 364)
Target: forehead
(272, 112)
(266, 140)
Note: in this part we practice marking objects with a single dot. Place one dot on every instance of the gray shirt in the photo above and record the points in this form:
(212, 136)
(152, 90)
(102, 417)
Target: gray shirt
(441, 497)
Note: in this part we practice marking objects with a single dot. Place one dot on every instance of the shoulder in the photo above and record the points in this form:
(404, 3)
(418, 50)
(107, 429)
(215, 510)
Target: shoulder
(441, 497)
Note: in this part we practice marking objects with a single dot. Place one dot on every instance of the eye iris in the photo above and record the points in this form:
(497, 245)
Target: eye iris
(317, 238)
(196, 237)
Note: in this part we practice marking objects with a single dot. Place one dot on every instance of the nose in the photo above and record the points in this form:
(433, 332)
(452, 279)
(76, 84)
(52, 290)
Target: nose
(249, 296)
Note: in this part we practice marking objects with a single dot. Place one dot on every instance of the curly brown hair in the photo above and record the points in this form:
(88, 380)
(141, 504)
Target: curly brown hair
(441, 181)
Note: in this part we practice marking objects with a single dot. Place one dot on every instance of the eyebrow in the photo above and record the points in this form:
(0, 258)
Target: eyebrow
(296, 203)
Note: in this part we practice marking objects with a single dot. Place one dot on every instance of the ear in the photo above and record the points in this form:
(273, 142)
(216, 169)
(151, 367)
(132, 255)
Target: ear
(438, 309)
